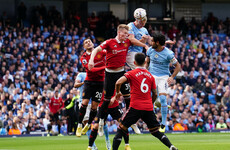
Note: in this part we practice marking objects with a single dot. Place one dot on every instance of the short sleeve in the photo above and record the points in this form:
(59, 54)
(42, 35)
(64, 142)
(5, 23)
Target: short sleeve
(130, 29)
(149, 51)
(127, 75)
(171, 58)
(146, 32)
(105, 44)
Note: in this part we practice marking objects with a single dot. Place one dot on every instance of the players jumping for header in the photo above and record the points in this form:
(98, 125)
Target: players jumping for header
(117, 49)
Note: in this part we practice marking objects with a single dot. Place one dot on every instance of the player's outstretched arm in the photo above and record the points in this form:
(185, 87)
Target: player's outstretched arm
(136, 42)
(170, 42)
(118, 84)
(91, 60)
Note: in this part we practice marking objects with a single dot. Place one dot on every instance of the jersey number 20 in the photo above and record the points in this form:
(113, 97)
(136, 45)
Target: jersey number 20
(144, 86)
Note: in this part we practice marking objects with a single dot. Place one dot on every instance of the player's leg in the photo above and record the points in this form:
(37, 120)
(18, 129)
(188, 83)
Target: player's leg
(150, 119)
(131, 116)
(82, 113)
(58, 122)
(110, 80)
(97, 90)
(116, 114)
(93, 134)
(85, 100)
(92, 114)
(130, 59)
(163, 88)
(125, 90)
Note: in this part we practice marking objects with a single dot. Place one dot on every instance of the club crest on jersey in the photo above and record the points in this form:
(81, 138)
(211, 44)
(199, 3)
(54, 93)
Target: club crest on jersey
(84, 61)
(125, 44)
(98, 56)
(115, 45)
(156, 56)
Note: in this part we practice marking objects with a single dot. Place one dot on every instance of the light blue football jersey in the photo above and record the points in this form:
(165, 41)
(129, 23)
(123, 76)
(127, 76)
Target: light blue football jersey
(81, 77)
(138, 33)
(159, 61)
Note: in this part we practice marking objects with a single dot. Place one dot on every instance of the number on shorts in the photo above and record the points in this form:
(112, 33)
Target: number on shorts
(127, 86)
(98, 95)
(120, 110)
(144, 85)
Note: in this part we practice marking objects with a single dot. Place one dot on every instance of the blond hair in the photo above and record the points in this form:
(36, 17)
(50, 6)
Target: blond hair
(122, 26)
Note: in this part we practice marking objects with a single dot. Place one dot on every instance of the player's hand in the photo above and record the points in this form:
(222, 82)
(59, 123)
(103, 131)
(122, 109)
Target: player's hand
(90, 65)
(112, 100)
(170, 80)
(170, 42)
(145, 37)
(118, 95)
(146, 47)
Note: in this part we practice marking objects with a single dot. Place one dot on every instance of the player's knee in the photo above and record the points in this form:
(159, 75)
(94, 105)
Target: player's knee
(122, 127)
(154, 130)
(83, 106)
(85, 102)
(94, 107)
(95, 126)
(163, 100)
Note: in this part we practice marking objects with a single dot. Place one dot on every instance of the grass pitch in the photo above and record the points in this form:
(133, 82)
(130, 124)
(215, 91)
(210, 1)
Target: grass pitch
(191, 141)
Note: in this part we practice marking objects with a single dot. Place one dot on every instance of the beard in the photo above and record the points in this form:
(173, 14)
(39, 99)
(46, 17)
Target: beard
(154, 46)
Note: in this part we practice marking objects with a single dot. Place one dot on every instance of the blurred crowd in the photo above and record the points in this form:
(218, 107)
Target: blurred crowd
(35, 61)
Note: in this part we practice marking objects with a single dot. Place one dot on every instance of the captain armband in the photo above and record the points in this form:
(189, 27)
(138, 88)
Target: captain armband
(173, 61)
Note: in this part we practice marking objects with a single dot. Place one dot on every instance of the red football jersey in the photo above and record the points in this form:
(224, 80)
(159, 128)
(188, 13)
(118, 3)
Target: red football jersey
(95, 74)
(115, 104)
(116, 52)
(141, 84)
(55, 104)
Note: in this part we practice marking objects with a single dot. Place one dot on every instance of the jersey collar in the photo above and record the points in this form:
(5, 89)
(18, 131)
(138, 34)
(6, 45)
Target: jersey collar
(140, 67)
(118, 40)
(88, 53)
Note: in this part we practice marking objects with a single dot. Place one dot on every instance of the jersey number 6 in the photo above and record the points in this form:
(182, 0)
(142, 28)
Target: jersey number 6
(144, 86)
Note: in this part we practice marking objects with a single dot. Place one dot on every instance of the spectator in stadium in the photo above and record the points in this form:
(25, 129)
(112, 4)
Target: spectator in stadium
(2, 129)
(201, 126)
(210, 125)
(14, 130)
(55, 105)
(221, 125)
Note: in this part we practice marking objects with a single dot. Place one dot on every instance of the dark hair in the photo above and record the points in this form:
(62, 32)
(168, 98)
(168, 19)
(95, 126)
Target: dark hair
(140, 58)
(160, 38)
